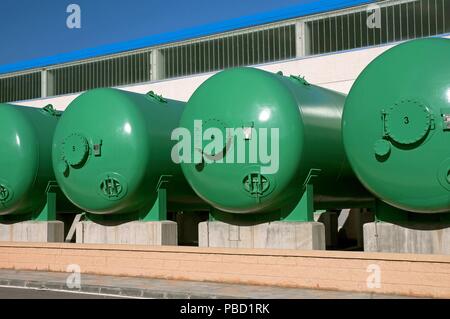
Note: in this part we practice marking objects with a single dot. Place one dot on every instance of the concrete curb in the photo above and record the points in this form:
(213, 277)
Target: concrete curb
(108, 290)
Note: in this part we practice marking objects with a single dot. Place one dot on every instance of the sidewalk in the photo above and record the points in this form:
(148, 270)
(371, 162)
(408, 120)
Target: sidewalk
(168, 289)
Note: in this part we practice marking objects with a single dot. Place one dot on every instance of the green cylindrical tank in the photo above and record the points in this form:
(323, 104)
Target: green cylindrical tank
(112, 150)
(396, 126)
(300, 120)
(25, 157)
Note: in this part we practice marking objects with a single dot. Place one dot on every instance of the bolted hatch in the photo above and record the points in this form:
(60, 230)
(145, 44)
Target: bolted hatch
(75, 149)
(407, 122)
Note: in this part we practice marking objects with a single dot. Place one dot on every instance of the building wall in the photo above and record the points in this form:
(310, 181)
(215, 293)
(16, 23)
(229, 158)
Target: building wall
(402, 274)
(334, 71)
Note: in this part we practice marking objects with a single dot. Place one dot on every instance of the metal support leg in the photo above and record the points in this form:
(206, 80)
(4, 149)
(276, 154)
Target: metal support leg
(159, 210)
(304, 211)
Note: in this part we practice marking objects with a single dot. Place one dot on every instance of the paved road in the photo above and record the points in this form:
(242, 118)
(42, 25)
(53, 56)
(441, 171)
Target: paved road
(160, 288)
(26, 293)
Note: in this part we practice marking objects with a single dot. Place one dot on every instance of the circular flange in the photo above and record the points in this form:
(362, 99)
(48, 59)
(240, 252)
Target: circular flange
(112, 186)
(382, 147)
(5, 193)
(75, 149)
(407, 122)
(255, 184)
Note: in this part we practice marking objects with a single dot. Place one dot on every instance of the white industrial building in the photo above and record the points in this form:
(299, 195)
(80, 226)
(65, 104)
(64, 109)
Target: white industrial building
(329, 48)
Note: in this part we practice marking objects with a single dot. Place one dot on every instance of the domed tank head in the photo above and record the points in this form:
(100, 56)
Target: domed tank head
(396, 126)
(19, 160)
(100, 151)
(243, 137)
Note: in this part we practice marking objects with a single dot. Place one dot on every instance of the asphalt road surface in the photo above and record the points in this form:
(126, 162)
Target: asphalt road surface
(20, 293)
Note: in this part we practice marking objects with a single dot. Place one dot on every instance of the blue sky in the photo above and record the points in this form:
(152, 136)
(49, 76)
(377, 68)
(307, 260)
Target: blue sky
(32, 29)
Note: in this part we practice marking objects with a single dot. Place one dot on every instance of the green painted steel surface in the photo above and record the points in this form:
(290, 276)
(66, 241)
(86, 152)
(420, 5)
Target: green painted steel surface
(25, 158)
(396, 126)
(308, 119)
(111, 152)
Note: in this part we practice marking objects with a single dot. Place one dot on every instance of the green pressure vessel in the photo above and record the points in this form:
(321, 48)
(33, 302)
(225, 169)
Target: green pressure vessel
(112, 150)
(25, 157)
(259, 138)
(396, 126)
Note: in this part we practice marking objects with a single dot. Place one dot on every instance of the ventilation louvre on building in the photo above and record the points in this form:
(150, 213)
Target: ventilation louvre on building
(399, 22)
(20, 87)
(124, 70)
(249, 48)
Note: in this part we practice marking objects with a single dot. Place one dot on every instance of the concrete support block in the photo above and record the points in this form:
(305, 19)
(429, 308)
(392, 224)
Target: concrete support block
(276, 235)
(33, 231)
(134, 233)
(387, 237)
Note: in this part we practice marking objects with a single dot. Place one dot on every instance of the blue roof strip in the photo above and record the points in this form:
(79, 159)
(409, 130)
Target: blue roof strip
(319, 6)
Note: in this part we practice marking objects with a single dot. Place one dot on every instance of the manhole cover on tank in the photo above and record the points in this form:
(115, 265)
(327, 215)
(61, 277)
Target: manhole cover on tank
(75, 149)
(407, 122)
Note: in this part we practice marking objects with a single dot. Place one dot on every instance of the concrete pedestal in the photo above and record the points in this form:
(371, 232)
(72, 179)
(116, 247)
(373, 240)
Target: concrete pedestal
(386, 237)
(135, 233)
(282, 235)
(33, 231)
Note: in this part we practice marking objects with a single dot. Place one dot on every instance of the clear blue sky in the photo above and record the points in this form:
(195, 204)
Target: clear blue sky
(37, 28)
